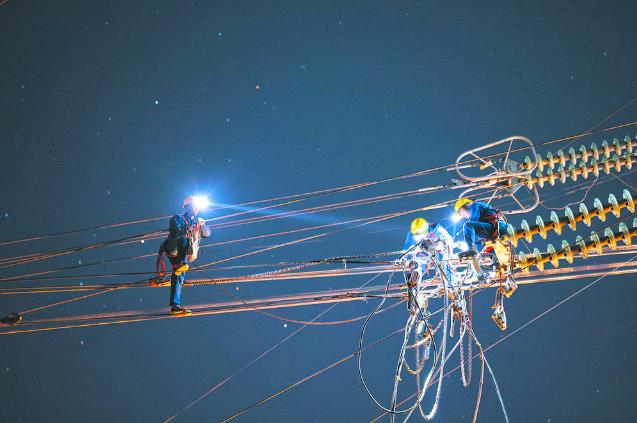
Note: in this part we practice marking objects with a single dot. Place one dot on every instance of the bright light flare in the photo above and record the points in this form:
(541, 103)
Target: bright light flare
(455, 218)
(201, 202)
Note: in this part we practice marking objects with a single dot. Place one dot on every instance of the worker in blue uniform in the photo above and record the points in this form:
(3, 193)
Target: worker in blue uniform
(484, 223)
(421, 230)
(428, 235)
(182, 246)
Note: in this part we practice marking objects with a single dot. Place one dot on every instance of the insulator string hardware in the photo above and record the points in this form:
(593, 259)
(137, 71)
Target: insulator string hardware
(605, 165)
(581, 248)
(535, 171)
(583, 154)
(570, 218)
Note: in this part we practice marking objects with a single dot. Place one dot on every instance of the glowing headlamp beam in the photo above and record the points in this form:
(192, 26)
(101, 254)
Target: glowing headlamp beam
(201, 202)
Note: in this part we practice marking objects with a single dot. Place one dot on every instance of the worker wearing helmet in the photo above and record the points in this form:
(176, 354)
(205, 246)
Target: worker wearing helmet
(434, 235)
(182, 247)
(484, 223)
(420, 230)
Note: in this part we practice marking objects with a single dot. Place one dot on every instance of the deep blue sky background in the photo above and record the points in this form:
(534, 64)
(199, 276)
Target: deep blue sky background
(112, 111)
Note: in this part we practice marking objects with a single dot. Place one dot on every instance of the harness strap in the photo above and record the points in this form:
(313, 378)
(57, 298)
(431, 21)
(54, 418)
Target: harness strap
(494, 220)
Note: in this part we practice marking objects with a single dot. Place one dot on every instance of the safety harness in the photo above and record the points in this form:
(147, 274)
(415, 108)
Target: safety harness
(494, 219)
(191, 233)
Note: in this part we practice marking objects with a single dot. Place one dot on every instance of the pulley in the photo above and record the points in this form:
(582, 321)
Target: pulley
(499, 315)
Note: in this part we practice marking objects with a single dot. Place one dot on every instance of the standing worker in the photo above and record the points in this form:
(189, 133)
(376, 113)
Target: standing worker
(182, 246)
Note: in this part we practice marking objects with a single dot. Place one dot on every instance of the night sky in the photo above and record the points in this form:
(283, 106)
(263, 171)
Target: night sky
(115, 111)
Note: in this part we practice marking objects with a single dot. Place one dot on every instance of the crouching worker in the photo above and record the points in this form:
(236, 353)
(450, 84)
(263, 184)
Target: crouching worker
(182, 246)
(484, 223)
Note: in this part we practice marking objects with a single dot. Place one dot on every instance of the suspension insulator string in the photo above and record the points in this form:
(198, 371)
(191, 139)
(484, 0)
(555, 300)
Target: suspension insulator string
(580, 248)
(571, 219)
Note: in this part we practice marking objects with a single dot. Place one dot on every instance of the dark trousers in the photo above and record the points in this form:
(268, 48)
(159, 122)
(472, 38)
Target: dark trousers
(475, 233)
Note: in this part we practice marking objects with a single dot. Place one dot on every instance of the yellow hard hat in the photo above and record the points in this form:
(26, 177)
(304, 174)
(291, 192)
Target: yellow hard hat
(460, 203)
(419, 226)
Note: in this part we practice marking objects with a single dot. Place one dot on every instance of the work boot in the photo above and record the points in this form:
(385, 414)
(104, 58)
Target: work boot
(177, 310)
(467, 254)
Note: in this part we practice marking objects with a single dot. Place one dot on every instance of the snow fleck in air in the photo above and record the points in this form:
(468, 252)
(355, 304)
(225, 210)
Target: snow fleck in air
(142, 241)
(79, 262)
(200, 160)
(285, 325)
(156, 102)
(108, 192)
(81, 342)
(81, 283)
(236, 288)
(219, 34)
(227, 119)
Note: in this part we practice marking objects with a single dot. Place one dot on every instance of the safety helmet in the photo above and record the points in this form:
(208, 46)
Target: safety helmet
(419, 226)
(461, 203)
(189, 201)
